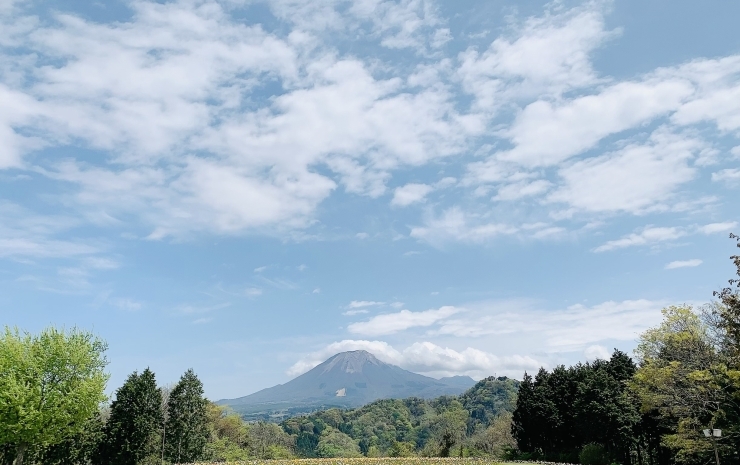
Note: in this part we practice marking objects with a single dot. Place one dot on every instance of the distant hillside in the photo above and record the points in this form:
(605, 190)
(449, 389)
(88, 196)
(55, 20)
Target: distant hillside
(489, 398)
(348, 379)
(380, 426)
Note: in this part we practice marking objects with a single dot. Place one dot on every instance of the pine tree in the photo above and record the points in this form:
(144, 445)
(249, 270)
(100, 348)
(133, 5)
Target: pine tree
(135, 420)
(187, 421)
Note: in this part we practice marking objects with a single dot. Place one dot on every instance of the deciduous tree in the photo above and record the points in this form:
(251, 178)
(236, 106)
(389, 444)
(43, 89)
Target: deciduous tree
(50, 385)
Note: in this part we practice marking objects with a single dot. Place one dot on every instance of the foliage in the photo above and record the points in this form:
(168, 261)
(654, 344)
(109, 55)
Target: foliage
(269, 441)
(401, 428)
(488, 399)
(559, 412)
(50, 385)
(495, 440)
(132, 431)
(334, 443)
(186, 432)
(593, 454)
(227, 435)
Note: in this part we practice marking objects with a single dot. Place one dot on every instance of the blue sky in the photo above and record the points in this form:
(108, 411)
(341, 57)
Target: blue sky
(479, 187)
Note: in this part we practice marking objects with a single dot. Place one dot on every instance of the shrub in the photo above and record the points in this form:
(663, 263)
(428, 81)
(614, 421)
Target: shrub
(593, 454)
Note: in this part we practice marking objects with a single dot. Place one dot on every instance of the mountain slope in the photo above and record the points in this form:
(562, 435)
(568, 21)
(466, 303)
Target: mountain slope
(348, 379)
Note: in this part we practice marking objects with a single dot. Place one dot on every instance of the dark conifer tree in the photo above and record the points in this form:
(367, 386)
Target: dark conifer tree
(187, 421)
(135, 420)
(522, 424)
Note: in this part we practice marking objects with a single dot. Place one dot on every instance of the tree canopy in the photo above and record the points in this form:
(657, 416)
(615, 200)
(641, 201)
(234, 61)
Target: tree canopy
(50, 385)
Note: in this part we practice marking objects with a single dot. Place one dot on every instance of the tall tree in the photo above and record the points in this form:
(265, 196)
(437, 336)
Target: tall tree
(131, 433)
(187, 420)
(50, 385)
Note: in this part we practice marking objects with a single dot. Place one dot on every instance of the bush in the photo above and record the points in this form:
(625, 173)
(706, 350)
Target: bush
(593, 454)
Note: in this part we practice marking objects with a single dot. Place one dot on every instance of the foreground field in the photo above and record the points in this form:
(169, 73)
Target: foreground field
(369, 461)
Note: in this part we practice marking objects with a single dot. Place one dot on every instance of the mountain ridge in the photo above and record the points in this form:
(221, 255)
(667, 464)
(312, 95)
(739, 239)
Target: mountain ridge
(348, 379)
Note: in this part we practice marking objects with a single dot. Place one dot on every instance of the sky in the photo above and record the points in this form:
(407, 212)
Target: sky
(479, 188)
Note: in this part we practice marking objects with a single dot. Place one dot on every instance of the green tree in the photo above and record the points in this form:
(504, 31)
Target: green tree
(228, 435)
(269, 441)
(132, 430)
(496, 439)
(78, 449)
(187, 420)
(334, 443)
(50, 385)
(677, 378)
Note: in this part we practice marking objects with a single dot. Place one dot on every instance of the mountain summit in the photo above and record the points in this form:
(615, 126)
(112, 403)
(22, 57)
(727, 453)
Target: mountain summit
(348, 379)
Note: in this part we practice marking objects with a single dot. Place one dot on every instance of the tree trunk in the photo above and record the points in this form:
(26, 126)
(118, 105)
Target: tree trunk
(19, 453)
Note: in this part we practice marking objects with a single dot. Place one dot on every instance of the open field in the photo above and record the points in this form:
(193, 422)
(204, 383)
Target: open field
(368, 461)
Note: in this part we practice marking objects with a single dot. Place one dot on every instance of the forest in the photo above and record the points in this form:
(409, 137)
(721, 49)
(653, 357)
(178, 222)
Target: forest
(666, 404)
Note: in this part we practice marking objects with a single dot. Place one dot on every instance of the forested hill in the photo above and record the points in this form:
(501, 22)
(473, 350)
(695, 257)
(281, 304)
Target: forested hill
(399, 426)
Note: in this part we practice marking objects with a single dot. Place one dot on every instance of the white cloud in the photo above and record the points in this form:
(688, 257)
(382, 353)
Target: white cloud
(253, 291)
(190, 147)
(397, 24)
(728, 175)
(596, 352)
(125, 304)
(24, 233)
(427, 358)
(190, 309)
(649, 235)
(717, 96)
(456, 225)
(546, 54)
(633, 179)
(364, 303)
(522, 189)
(394, 322)
(555, 330)
(409, 194)
(713, 228)
(354, 312)
(683, 264)
(546, 134)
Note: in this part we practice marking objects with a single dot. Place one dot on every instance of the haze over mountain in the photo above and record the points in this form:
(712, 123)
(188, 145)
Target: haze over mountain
(348, 379)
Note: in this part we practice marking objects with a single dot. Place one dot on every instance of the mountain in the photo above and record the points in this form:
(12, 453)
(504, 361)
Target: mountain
(348, 379)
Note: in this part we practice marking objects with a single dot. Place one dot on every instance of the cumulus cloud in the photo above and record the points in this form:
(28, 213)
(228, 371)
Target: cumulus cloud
(427, 358)
(204, 124)
(410, 194)
(633, 179)
(596, 352)
(170, 98)
(549, 53)
(394, 322)
(683, 264)
(545, 134)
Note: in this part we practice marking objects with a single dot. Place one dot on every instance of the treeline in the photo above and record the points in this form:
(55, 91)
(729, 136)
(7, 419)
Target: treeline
(474, 424)
(52, 389)
(144, 424)
(686, 380)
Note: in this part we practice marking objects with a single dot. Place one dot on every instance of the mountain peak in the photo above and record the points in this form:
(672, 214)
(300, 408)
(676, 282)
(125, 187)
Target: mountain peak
(348, 379)
(351, 362)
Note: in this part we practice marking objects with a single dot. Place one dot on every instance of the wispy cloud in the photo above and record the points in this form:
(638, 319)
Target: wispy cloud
(190, 309)
(683, 264)
(394, 322)
(649, 235)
